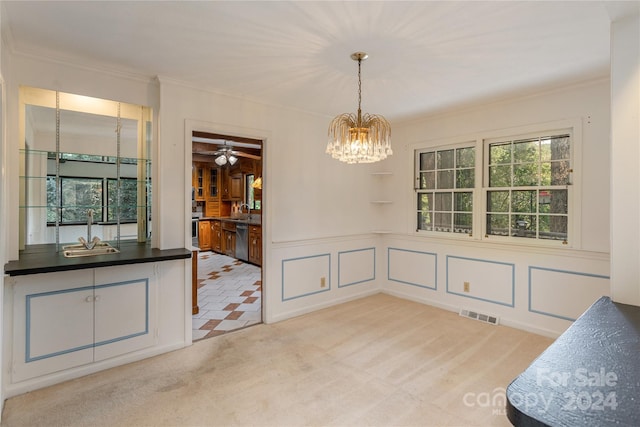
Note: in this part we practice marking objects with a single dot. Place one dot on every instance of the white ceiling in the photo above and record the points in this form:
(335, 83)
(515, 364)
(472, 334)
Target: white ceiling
(424, 57)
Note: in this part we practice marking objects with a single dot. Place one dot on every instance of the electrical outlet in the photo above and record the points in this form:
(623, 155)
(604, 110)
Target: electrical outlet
(323, 282)
(466, 286)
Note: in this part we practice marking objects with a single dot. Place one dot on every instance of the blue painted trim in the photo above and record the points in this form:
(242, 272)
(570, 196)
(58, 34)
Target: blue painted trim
(283, 299)
(146, 315)
(359, 281)
(28, 299)
(29, 359)
(555, 270)
(513, 280)
(433, 288)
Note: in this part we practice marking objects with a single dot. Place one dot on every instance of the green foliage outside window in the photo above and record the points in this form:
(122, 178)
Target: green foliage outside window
(527, 188)
(445, 194)
(529, 197)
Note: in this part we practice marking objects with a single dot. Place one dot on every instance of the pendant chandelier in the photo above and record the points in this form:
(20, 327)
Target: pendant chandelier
(359, 138)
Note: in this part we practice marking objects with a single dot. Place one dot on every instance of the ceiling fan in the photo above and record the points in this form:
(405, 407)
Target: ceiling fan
(226, 152)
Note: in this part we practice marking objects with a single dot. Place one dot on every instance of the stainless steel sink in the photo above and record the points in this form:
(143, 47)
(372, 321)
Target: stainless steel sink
(78, 250)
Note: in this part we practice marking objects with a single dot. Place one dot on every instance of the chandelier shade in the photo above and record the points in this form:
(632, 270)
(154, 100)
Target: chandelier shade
(359, 138)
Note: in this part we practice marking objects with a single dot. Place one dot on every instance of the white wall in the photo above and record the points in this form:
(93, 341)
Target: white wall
(625, 159)
(528, 287)
(311, 202)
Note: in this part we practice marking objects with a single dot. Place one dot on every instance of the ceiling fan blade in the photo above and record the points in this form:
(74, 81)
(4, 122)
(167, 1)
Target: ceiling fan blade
(234, 153)
(247, 155)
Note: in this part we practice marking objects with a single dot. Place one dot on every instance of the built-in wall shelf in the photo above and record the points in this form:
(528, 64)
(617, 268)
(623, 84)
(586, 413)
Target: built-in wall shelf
(381, 201)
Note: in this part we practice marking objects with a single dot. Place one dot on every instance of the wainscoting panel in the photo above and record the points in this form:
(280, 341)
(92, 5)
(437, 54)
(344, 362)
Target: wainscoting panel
(550, 290)
(356, 266)
(413, 268)
(304, 276)
(489, 281)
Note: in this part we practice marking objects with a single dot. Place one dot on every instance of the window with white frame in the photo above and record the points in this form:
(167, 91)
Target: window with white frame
(524, 189)
(446, 181)
(527, 187)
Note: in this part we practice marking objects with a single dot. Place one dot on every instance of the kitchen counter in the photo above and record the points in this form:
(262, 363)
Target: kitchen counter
(37, 259)
(253, 221)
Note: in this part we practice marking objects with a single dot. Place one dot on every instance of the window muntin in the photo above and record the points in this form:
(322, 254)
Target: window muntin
(79, 194)
(446, 181)
(527, 194)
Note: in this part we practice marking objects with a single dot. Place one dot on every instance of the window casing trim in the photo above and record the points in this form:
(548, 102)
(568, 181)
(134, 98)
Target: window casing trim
(571, 126)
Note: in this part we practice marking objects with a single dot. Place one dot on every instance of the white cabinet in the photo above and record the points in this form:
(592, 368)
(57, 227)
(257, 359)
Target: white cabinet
(66, 319)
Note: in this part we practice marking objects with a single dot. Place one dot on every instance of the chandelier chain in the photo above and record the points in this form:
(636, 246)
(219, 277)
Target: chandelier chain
(359, 87)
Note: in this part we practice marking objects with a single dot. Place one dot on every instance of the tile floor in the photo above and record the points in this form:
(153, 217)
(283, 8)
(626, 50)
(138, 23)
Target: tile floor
(229, 295)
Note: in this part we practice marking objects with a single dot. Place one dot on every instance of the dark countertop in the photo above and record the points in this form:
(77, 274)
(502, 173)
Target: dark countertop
(590, 376)
(44, 259)
(253, 221)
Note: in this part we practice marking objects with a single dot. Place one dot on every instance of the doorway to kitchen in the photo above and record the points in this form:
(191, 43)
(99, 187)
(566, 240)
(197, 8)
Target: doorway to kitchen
(226, 224)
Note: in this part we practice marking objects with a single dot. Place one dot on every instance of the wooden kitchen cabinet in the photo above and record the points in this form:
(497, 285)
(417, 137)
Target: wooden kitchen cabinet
(255, 244)
(204, 235)
(229, 238)
(235, 187)
(232, 188)
(198, 181)
(194, 283)
(216, 236)
(213, 184)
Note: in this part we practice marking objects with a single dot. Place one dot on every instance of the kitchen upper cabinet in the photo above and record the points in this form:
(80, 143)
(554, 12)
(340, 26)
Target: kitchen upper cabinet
(236, 187)
(204, 235)
(213, 185)
(205, 182)
(255, 244)
(216, 236)
(232, 188)
(199, 181)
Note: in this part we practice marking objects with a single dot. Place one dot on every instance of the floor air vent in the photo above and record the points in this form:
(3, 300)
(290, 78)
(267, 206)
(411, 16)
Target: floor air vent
(486, 318)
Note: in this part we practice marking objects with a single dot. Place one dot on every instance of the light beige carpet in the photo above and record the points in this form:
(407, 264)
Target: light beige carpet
(379, 360)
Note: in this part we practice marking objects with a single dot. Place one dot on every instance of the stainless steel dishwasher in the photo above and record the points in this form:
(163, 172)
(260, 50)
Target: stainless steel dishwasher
(242, 241)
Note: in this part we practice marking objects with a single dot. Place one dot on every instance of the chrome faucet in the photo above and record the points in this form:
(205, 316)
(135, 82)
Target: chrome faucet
(89, 222)
(89, 242)
(248, 209)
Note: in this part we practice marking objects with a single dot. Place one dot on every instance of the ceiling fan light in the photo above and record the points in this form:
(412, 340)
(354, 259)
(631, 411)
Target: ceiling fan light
(221, 160)
(233, 160)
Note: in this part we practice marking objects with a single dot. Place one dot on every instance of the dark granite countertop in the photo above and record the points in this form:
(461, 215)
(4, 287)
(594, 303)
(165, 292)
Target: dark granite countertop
(253, 221)
(44, 259)
(590, 376)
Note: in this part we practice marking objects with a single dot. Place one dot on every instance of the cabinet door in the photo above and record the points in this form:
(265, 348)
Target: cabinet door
(235, 187)
(229, 243)
(213, 185)
(52, 323)
(199, 181)
(204, 235)
(216, 237)
(123, 310)
(121, 313)
(255, 245)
